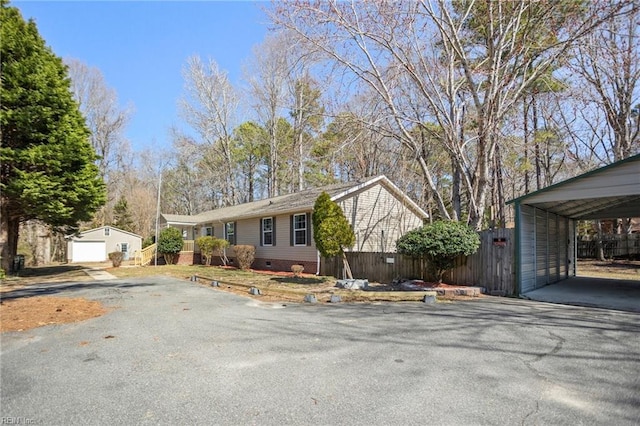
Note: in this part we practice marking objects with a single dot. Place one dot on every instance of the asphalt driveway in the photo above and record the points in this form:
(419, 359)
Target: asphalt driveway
(177, 352)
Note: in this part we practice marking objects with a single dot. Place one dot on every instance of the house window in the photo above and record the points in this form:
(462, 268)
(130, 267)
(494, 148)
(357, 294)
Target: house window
(208, 231)
(107, 231)
(124, 248)
(300, 229)
(267, 231)
(230, 232)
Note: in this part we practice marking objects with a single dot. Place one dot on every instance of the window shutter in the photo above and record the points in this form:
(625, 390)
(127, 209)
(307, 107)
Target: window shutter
(261, 233)
(308, 229)
(291, 230)
(273, 231)
(235, 233)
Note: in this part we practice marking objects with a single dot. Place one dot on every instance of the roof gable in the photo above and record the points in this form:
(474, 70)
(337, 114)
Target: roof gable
(112, 228)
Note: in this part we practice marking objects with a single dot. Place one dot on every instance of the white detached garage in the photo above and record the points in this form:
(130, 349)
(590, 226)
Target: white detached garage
(95, 245)
(546, 220)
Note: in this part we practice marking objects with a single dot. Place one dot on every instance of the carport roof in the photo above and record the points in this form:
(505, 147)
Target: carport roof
(609, 192)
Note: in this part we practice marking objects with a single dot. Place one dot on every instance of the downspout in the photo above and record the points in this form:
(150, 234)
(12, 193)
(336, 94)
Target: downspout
(318, 262)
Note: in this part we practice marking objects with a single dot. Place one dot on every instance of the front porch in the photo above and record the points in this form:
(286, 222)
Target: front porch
(189, 255)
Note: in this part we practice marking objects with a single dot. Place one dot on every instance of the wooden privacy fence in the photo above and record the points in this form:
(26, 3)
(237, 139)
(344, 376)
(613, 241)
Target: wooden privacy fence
(614, 245)
(491, 267)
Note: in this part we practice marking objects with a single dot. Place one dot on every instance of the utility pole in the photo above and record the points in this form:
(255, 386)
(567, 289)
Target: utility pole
(158, 214)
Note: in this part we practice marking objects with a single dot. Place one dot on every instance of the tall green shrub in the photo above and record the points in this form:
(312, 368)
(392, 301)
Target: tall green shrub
(170, 243)
(440, 243)
(332, 232)
(209, 246)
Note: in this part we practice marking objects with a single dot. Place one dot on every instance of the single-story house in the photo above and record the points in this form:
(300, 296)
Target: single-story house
(95, 244)
(281, 230)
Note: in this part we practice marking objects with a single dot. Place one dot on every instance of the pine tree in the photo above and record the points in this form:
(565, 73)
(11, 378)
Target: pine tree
(122, 216)
(47, 167)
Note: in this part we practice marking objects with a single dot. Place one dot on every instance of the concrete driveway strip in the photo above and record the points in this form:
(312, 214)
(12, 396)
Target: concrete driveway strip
(173, 352)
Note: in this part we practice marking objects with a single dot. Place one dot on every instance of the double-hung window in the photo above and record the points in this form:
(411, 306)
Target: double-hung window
(267, 231)
(230, 232)
(300, 229)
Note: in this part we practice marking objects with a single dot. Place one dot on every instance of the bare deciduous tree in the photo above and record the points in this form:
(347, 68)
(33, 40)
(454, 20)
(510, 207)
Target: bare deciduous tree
(268, 75)
(445, 63)
(210, 107)
(608, 60)
(105, 118)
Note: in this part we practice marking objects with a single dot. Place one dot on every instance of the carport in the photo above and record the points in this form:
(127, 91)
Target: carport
(545, 236)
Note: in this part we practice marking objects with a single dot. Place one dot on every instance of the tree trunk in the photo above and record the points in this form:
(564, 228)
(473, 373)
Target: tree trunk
(526, 145)
(500, 190)
(455, 192)
(536, 142)
(347, 268)
(599, 243)
(9, 231)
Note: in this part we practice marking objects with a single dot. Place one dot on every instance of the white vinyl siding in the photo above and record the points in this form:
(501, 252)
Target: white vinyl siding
(248, 232)
(378, 219)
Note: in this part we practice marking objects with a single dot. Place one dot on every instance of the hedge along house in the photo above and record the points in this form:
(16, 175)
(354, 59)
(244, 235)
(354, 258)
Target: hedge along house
(281, 230)
(545, 238)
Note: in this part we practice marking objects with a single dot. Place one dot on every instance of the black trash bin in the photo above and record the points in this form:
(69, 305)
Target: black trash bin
(18, 262)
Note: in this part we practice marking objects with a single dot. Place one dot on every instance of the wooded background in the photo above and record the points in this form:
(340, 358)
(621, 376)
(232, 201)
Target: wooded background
(463, 105)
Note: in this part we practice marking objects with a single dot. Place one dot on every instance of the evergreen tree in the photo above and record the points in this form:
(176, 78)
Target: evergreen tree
(331, 230)
(47, 163)
(122, 216)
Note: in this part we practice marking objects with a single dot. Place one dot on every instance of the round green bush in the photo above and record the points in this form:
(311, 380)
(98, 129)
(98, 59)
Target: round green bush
(440, 243)
(170, 243)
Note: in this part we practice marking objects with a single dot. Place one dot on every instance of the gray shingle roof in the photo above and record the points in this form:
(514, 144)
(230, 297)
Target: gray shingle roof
(302, 201)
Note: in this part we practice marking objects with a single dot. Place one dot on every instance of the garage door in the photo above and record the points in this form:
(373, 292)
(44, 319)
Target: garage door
(89, 251)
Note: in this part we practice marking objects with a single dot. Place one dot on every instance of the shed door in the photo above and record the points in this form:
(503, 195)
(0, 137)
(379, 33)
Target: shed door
(89, 251)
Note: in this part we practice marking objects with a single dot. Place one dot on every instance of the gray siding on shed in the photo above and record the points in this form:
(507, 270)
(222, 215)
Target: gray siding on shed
(527, 248)
(546, 219)
(542, 247)
(545, 247)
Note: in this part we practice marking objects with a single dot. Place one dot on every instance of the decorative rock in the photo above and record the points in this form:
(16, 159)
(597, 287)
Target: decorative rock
(310, 298)
(255, 291)
(353, 284)
(215, 284)
(335, 298)
(429, 299)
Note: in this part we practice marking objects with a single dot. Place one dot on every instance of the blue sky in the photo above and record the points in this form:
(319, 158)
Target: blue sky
(141, 48)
